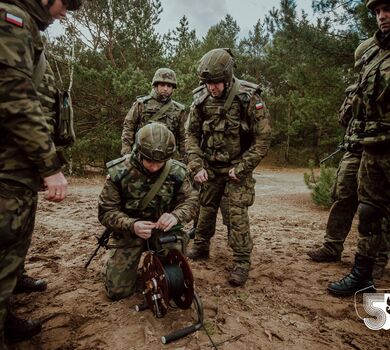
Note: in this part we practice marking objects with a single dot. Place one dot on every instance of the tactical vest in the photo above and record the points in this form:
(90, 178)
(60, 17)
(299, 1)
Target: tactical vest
(223, 131)
(150, 113)
(374, 94)
(135, 184)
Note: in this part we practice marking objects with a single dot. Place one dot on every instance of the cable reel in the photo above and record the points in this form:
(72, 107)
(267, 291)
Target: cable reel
(168, 278)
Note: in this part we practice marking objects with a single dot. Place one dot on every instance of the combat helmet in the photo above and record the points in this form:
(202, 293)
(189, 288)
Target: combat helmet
(155, 142)
(164, 75)
(72, 5)
(216, 66)
(371, 4)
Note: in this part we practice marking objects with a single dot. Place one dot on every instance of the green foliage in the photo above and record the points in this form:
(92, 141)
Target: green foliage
(302, 67)
(321, 185)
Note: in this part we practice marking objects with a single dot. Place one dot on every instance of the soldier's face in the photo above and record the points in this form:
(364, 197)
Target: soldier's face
(382, 12)
(215, 89)
(58, 9)
(164, 89)
(151, 166)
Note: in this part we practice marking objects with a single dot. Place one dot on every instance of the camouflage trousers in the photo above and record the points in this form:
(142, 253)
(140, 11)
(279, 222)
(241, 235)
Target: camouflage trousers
(17, 215)
(120, 271)
(374, 189)
(345, 204)
(239, 196)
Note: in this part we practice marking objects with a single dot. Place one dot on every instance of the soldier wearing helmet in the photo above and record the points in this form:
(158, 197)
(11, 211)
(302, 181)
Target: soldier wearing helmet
(122, 210)
(158, 106)
(345, 193)
(371, 108)
(28, 156)
(228, 133)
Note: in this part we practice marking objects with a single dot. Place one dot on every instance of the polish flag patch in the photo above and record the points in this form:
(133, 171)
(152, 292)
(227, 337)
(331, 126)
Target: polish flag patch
(259, 105)
(10, 18)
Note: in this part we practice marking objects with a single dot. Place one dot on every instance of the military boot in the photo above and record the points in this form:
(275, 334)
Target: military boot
(199, 253)
(17, 329)
(359, 278)
(323, 255)
(27, 284)
(238, 276)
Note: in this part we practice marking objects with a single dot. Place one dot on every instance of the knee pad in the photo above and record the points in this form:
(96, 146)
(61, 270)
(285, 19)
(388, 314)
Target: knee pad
(370, 220)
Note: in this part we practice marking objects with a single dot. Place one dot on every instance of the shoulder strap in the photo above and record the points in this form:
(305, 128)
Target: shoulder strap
(233, 92)
(156, 186)
(376, 62)
(161, 111)
(39, 71)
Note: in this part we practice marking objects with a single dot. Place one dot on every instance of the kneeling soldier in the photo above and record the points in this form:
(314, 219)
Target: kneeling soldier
(128, 207)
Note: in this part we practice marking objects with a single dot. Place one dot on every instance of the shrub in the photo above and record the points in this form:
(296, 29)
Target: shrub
(321, 185)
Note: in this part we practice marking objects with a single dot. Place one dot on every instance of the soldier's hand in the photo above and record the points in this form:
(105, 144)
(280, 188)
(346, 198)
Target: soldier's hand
(143, 229)
(232, 175)
(166, 222)
(201, 176)
(57, 187)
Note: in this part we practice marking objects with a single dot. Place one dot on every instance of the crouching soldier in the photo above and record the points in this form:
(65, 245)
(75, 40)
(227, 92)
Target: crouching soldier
(145, 191)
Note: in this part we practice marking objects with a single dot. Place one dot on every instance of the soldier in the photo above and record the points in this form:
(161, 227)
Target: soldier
(345, 194)
(371, 105)
(228, 133)
(122, 210)
(28, 157)
(158, 106)
(47, 96)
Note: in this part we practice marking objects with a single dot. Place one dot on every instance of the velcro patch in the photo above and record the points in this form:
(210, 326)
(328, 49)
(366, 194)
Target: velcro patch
(10, 18)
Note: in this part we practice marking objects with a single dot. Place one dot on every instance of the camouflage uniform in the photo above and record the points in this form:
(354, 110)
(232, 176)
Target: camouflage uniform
(127, 184)
(144, 111)
(26, 151)
(215, 143)
(371, 105)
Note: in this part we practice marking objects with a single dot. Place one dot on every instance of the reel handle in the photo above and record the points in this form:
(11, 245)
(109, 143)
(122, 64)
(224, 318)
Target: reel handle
(166, 339)
(168, 239)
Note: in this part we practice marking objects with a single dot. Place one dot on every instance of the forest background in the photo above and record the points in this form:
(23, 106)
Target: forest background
(111, 49)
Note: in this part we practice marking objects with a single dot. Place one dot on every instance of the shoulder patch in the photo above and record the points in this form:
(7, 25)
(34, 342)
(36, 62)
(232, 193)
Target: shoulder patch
(119, 168)
(16, 20)
(199, 95)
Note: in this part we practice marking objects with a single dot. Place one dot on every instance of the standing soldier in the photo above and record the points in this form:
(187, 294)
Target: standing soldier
(371, 105)
(156, 107)
(28, 156)
(125, 209)
(345, 193)
(228, 133)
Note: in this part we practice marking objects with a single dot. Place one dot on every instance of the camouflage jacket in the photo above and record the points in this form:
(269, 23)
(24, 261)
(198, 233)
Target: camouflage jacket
(27, 152)
(128, 183)
(372, 103)
(142, 112)
(216, 138)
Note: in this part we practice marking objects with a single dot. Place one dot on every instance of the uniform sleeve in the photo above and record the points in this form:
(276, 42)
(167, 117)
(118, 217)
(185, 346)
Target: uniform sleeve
(110, 213)
(130, 125)
(260, 130)
(186, 202)
(181, 136)
(21, 117)
(193, 141)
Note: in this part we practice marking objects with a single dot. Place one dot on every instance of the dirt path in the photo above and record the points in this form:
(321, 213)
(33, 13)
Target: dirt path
(284, 305)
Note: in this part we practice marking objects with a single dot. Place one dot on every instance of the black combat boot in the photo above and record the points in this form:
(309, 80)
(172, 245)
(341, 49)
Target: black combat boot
(27, 284)
(238, 276)
(17, 329)
(198, 253)
(323, 255)
(359, 278)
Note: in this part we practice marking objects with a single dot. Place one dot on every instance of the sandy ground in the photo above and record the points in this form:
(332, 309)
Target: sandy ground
(284, 304)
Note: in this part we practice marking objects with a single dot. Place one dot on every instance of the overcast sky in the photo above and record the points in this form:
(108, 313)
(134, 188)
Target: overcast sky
(202, 14)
